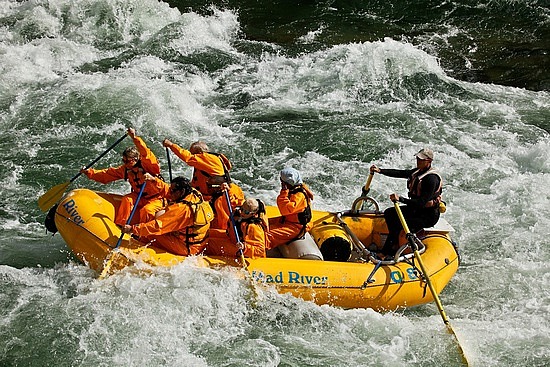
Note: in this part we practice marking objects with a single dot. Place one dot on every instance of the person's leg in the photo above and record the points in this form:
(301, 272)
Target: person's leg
(280, 234)
(421, 219)
(125, 208)
(149, 209)
(170, 243)
(394, 228)
(221, 246)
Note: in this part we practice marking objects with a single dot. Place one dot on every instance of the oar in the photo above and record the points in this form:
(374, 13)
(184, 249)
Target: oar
(169, 163)
(240, 253)
(52, 196)
(410, 237)
(110, 257)
(359, 203)
(366, 189)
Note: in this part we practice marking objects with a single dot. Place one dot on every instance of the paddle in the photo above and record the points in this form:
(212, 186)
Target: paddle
(169, 163)
(110, 257)
(240, 253)
(411, 238)
(52, 196)
(359, 203)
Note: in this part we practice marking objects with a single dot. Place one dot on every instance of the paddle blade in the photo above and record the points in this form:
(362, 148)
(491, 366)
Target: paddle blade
(52, 196)
(107, 267)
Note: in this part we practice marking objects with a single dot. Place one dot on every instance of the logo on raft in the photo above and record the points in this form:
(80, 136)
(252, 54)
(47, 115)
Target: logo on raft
(71, 208)
(293, 277)
(398, 277)
(290, 277)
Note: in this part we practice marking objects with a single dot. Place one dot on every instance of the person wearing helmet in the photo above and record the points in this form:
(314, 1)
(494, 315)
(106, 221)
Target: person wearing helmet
(205, 164)
(182, 226)
(252, 227)
(294, 203)
(422, 207)
(137, 161)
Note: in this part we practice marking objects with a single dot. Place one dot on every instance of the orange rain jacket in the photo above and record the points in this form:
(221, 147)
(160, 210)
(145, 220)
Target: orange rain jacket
(253, 234)
(205, 165)
(151, 200)
(179, 229)
(288, 227)
(221, 210)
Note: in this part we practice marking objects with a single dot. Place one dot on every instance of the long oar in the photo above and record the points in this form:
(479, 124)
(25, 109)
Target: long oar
(169, 163)
(359, 203)
(365, 190)
(410, 237)
(52, 196)
(111, 256)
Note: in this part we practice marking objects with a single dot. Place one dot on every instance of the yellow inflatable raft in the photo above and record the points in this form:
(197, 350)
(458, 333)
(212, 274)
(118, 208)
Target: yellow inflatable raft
(334, 264)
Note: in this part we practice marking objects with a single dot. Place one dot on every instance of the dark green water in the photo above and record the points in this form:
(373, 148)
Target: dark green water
(502, 42)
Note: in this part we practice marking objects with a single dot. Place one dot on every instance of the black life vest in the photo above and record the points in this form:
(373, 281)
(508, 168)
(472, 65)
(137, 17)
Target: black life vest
(226, 167)
(136, 177)
(414, 184)
(305, 216)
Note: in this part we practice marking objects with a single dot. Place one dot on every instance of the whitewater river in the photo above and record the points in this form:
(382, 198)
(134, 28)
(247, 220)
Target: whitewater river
(76, 73)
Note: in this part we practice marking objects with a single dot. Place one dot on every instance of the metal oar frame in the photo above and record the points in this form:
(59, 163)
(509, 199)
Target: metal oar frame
(367, 255)
(365, 204)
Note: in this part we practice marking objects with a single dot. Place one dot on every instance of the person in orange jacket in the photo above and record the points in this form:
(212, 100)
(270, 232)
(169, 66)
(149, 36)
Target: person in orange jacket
(182, 226)
(137, 161)
(294, 203)
(205, 164)
(252, 227)
(217, 186)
